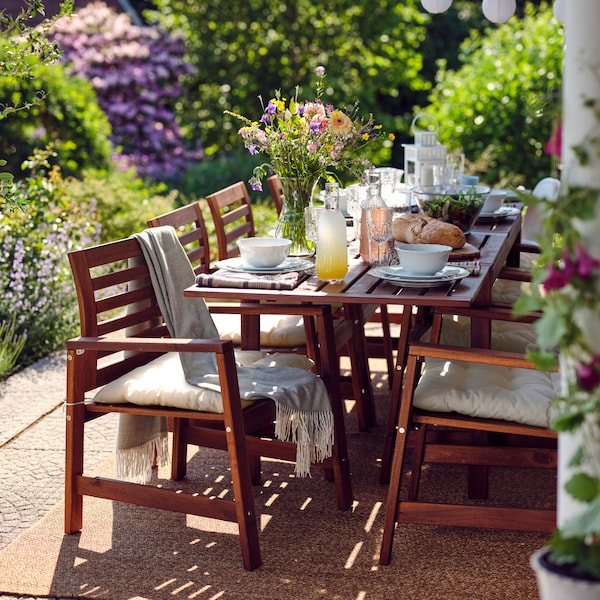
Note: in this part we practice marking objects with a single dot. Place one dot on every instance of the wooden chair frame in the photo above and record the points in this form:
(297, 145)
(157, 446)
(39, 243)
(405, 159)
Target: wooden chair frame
(110, 279)
(231, 210)
(412, 429)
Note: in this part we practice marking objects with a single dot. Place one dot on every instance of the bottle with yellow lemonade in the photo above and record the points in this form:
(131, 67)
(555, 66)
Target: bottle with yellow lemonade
(332, 253)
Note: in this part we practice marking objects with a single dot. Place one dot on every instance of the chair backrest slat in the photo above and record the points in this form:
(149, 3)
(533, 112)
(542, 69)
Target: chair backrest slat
(191, 230)
(231, 210)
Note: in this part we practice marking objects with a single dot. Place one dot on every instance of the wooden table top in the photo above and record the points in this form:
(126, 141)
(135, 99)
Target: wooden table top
(494, 241)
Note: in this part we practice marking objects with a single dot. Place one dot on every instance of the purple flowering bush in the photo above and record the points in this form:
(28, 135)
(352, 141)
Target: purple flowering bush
(136, 73)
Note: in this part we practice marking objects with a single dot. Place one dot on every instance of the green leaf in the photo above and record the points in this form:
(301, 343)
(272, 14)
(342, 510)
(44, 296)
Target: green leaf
(586, 523)
(584, 488)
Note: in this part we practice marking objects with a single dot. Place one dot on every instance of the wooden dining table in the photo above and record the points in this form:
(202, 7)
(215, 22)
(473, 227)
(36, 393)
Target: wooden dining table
(495, 240)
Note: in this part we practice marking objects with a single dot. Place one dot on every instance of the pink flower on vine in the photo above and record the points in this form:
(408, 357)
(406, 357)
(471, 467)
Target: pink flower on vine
(588, 375)
(581, 267)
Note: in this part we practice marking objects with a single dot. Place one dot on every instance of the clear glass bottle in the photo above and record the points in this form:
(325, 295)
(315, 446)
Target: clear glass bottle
(368, 249)
(331, 263)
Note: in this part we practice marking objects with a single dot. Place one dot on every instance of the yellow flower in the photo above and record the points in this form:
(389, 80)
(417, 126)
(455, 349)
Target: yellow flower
(341, 124)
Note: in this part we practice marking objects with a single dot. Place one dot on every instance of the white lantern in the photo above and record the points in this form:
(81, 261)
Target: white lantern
(559, 10)
(436, 6)
(498, 11)
(420, 157)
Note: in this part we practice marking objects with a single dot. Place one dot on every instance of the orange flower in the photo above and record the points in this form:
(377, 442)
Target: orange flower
(341, 124)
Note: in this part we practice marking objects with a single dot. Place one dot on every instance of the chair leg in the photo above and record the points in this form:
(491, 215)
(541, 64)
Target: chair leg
(393, 497)
(179, 449)
(420, 435)
(478, 474)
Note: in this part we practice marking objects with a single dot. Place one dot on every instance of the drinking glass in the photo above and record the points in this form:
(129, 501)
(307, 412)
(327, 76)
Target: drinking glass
(457, 161)
(379, 227)
(311, 222)
(387, 178)
(355, 197)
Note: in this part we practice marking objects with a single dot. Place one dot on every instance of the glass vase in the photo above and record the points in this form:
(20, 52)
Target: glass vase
(297, 195)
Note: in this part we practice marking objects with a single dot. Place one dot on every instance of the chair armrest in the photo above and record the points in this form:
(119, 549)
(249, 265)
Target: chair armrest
(473, 355)
(157, 345)
(494, 312)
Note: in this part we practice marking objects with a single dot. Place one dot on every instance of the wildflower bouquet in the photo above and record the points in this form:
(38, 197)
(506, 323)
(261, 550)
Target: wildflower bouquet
(307, 139)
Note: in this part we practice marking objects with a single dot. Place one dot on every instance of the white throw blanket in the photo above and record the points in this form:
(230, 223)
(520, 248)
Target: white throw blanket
(303, 412)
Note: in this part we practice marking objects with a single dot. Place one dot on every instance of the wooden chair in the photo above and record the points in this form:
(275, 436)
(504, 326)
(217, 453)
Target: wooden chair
(123, 334)
(438, 421)
(514, 280)
(232, 216)
(275, 328)
(276, 192)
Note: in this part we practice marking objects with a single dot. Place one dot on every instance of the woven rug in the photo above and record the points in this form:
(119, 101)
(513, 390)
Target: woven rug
(310, 549)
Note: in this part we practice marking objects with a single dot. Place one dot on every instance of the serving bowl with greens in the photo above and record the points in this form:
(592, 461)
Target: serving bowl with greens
(456, 204)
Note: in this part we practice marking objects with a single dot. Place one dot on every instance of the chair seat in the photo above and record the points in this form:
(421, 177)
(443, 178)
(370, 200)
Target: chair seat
(276, 331)
(487, 391)
(161, 382)
(506, 335)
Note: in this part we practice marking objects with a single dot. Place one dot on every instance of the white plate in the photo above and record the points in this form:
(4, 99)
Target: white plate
(447, 275)
(398, 272)
(502, 213)
(287, 266)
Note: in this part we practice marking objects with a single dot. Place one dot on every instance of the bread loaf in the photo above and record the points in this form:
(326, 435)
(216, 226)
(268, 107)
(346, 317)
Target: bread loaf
(421, 229)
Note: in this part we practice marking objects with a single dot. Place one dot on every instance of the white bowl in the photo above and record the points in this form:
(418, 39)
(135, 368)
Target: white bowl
(494, 201)
(423, 259)
(263, 252)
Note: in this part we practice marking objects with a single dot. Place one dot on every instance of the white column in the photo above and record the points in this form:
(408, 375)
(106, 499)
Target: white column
(581, 84)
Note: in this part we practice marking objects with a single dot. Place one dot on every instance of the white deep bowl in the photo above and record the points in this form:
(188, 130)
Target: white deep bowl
(494, 201)
(423, 259)
(263, 252)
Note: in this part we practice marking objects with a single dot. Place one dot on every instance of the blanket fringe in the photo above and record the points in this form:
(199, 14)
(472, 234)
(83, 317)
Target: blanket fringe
(135, 464)
(302, 427)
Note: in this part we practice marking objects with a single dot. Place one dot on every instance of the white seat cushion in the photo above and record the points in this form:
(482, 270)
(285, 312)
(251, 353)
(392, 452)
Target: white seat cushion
(283, 331)
(506, 335)
(487, 391)
(162, 382)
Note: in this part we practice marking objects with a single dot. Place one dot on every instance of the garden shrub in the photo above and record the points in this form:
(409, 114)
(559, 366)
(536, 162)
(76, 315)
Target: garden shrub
(123, 201)
(67, 116)
(36, 289)
(136, 73)
(500, 106)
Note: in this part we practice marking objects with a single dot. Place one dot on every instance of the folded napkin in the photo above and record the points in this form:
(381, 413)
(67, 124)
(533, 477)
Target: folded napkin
(224, 278)
(473, 266)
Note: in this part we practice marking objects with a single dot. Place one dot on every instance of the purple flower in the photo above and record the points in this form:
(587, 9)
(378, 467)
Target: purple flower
(556, 280)
(253, 149)
(581, 267)
(320, 70)
(588, 375)
(257, 187)
(271, 108)
(585, 263)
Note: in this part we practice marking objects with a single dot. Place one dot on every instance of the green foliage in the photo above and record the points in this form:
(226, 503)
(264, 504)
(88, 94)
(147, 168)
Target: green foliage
(22, 50)
(67, 115)
(501, 105)
(36, 291)
(217, 172)
(122, 202)
(11, 346)
(370, 52)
